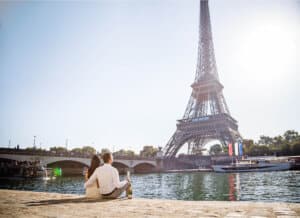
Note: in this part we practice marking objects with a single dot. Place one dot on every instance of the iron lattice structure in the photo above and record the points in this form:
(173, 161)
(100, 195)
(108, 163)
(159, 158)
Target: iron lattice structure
(207, 116)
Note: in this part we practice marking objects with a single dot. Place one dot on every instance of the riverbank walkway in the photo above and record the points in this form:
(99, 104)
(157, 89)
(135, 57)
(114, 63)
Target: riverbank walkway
(40, 204)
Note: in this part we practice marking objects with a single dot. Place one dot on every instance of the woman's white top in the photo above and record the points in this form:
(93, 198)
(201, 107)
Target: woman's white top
(93, 191)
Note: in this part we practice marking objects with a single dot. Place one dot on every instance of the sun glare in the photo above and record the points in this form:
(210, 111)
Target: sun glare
(268, 52)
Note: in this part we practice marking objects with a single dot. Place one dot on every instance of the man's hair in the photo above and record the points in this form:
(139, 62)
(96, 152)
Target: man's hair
(106, 157)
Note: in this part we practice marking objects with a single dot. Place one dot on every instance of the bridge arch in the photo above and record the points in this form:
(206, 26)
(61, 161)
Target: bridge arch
(144, 167)
(68, 167)
(51, 161)
(121, 166)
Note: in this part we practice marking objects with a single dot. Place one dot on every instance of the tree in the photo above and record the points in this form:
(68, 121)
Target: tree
(247, 145)
(31, 148)
(278, 140)
(285, 149)
(259, 150)
(124, 153)
(265, 140)
(274, 149)
(225, 149)
(130, 153)
(76, 150)
(296, 148)
(149, 151)
(286, 144)
(35, 149)
(248, 142)
(58, 149)
(215, 149)
(291, 135)
(88, 150)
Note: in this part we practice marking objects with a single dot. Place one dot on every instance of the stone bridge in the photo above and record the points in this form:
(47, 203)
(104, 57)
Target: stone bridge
(134, 165)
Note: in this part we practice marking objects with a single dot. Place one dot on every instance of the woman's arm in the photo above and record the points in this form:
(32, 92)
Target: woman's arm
(86, 175)
(91, 180)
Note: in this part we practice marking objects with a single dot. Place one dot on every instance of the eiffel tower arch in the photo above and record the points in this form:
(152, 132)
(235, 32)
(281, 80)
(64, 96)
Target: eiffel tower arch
(207, 116)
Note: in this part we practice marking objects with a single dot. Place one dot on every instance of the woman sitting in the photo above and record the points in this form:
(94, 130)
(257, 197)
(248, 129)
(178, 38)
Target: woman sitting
(93, 190)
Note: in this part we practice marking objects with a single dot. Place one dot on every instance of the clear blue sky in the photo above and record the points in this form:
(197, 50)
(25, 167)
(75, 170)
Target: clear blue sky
(117, 73)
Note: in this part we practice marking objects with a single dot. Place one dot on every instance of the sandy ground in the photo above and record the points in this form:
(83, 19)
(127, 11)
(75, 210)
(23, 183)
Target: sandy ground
(38, 204)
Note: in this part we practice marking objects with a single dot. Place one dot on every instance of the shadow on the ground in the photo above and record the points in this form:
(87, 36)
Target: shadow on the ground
(70, 201)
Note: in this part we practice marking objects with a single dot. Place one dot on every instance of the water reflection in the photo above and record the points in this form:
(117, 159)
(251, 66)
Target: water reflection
(237, 186)
(269, 186)
(196, 186)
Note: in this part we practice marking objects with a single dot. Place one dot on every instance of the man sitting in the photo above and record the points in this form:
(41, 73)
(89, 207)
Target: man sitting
(108, 178)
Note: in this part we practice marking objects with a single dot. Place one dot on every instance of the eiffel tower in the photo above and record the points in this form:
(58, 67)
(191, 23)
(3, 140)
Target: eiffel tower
(207, 116)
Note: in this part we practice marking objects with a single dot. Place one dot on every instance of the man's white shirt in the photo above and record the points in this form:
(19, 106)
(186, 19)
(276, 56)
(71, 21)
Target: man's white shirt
(108, 178)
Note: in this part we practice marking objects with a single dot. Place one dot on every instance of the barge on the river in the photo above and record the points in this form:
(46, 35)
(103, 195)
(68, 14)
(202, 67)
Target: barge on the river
(253, 166)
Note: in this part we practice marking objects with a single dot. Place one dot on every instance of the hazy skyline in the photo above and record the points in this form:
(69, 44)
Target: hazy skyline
(118, 73)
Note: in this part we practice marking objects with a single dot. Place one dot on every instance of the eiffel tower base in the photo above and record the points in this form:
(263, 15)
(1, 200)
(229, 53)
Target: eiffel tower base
(197, 132)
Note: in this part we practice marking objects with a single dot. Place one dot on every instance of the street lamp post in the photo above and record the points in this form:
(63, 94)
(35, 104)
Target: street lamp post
(34, 138)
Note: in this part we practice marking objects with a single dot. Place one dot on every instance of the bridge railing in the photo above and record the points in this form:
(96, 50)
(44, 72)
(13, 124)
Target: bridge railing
(133, 158)
(64, 154)
(43, 153)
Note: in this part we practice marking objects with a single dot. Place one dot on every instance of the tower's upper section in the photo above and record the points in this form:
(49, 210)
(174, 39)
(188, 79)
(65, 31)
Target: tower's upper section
(207, 97)
(206, 63)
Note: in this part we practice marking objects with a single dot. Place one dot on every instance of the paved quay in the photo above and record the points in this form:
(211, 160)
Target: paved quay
(39, 204)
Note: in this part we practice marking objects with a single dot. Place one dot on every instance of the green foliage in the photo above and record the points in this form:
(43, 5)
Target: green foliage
(278, 140)
(88, 150)
(124, 153)
(287, 144)
(285, 149)
(215, 149)
(265, 140)
(247, 145)
(149, 151)
(77, 150)
(291, 135)
(58, 149)
(85, 150)
(30, 148)
(35, 149)
(225, 149)
(296, 148)
(257, 150)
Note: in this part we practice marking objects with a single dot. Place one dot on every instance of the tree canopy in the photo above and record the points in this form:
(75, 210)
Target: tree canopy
(286, 144)
(149, 151)
(215, 149)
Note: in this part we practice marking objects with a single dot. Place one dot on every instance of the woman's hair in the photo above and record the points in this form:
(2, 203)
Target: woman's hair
(95, 162)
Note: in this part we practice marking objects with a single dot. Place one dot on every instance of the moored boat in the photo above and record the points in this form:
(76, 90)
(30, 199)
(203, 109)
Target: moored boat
(253, 166)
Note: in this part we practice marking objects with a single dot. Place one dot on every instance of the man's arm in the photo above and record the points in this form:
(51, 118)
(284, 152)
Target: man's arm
(116, 179)
(91, 180)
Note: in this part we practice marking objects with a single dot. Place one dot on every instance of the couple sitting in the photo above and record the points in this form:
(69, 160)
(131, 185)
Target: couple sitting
(103, 181)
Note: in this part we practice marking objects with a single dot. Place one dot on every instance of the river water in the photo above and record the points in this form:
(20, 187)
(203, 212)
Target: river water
(263, 186)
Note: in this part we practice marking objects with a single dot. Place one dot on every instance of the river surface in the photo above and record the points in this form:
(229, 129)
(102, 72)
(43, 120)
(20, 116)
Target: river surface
(263, 186)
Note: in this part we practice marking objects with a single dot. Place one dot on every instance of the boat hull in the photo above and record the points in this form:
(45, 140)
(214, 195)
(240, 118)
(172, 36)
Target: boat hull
(252, 168)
